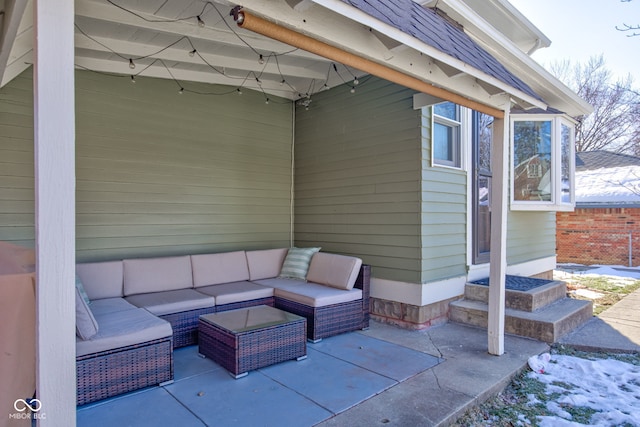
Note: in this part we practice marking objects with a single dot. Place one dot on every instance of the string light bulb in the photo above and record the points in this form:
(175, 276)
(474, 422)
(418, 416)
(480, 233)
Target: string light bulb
(192, 53)
(261, 60)
(282, 82)
(133, 79)
(239, 91)
(356, 82)
(132, 65)
(200, 22)
(267, 101)
(353, 90)
(181, 91)
(258, 81)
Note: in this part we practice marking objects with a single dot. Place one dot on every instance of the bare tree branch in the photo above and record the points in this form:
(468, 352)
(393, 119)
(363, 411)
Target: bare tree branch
(635, 29)
(615, 123)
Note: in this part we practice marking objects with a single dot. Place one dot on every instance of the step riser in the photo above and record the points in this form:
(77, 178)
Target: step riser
(527, 325)
(529, 301)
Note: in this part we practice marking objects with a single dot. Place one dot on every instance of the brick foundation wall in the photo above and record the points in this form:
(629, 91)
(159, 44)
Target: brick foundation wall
(598, 236)
(410, 316)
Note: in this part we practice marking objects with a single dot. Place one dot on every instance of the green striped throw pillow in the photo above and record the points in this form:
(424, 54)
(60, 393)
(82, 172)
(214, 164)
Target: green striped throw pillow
(296, 264)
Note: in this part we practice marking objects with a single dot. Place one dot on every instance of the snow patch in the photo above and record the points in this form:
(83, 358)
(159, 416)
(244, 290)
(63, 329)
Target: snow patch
(608, 185)
(608, 386)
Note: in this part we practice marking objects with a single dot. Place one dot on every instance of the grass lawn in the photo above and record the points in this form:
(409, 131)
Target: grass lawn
(604, 291)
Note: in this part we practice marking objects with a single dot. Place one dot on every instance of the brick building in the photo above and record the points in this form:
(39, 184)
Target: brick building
(605, 226)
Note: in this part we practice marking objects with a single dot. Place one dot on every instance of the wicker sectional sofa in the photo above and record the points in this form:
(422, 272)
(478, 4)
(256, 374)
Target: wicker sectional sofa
(143, 308)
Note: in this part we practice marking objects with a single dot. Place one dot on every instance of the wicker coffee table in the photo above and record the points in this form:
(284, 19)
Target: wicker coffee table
(250, 338)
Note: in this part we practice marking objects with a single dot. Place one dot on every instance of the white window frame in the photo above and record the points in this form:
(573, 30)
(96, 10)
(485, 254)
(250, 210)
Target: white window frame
(556, 203)
(461, 138)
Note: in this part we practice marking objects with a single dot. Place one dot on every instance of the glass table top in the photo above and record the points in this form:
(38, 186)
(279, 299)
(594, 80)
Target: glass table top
(250, 318)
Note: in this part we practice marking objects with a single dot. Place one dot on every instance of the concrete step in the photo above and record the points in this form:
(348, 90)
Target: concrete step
(547, 324)
(530, 300)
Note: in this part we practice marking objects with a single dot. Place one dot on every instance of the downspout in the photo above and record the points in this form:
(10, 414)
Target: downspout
(276, 32)
(293, 174)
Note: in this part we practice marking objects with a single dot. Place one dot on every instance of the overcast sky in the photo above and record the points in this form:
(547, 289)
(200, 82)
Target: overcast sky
(579, 29)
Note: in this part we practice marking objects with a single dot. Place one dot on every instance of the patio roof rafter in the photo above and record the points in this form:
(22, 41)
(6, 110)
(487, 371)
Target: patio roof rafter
(106, 13)
(178, 54)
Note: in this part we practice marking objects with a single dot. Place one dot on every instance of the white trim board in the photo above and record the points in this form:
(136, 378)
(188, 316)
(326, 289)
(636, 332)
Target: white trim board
(429, 293)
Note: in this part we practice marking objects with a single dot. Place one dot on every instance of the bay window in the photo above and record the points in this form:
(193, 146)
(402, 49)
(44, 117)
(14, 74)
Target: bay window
(543, 162)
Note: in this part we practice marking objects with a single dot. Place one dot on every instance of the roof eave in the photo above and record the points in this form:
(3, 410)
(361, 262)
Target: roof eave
(363, 18)
(553, 91)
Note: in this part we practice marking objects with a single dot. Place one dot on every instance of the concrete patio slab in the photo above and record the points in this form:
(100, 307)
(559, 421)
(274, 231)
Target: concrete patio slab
(340, 385)
(219, 400)
(332, 383)
(438, 396)
(151, 407)
(393, 361)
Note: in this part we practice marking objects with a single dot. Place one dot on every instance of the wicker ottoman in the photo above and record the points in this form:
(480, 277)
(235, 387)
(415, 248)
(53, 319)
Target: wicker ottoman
(251, 338)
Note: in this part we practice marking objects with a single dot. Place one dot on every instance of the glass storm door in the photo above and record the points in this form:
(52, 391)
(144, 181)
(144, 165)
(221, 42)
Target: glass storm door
(481, 187)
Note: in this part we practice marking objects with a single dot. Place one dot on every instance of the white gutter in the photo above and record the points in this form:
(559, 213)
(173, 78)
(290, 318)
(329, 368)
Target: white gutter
(363, 18)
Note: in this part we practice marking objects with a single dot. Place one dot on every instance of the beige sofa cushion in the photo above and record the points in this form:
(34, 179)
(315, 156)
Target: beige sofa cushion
(122, 329)
(143, 276)
(101, 279)
(316, 295)
(265, 264)
(280, 282)
(228, 293)
(101, 307)
(337, 271)
(169, 302)
(214, 269)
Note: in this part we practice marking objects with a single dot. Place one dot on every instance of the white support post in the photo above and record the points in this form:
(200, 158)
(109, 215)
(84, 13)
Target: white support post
(498, 257)
(54, 133)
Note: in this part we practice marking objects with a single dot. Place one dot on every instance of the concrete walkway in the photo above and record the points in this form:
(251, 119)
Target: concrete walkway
(616, 330)
(469, 375)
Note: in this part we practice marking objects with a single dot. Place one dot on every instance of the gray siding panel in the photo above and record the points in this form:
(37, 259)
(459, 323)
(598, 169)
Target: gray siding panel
(158, 173)
(357, 177)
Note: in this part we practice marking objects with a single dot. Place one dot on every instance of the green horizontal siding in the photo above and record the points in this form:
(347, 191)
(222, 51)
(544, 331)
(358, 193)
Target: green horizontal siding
(16, 162)
(357, 177)
(530, 236)
(444, 215)
(158, 173)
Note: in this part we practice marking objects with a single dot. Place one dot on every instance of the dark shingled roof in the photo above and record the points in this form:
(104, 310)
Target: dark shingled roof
(429, 27)
(590, 160)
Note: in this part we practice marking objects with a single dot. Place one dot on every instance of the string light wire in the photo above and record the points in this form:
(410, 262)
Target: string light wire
(193, 51)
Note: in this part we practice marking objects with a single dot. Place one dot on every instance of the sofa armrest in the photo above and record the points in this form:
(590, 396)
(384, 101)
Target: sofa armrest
(364, 282)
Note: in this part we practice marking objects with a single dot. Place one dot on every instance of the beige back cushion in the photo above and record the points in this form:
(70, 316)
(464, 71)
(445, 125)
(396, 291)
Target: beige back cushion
(214, 269)
(157, 274)
(337, 271)
(265, 264)
(101, 279)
